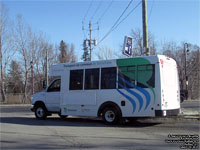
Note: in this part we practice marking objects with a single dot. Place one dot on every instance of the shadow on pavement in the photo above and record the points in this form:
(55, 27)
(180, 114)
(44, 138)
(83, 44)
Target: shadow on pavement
(79, 122)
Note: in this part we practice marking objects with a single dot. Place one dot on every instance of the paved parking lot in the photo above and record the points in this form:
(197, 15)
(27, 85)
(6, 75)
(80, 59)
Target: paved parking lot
(20, 130)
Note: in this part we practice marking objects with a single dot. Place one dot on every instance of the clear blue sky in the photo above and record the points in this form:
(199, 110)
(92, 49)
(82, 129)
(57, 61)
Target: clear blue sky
(177, 20)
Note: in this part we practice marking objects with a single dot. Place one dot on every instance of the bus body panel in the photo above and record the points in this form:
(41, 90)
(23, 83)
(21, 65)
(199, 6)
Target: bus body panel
(79, 107)
(87, 103)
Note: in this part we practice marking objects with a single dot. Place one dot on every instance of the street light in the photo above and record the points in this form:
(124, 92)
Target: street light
(186, 52)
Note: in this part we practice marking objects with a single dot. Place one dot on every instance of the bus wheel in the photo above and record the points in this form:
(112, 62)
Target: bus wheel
(110, 116)
(40, 112)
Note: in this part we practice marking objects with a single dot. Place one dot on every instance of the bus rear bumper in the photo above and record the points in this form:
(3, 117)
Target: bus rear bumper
(172, 112)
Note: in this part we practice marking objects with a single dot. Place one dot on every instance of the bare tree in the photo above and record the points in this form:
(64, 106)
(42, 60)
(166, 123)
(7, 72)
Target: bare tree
(40, 67)
(6, 47)
(32, 47)
(169, 48)
(176, 52)
(138, 43)
(52, 56)
(104, 53)
(38, 48)
(23, 41)
(72, 53)
(193, 72)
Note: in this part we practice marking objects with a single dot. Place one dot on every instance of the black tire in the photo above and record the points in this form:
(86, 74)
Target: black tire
(111, 116)
(40, 112)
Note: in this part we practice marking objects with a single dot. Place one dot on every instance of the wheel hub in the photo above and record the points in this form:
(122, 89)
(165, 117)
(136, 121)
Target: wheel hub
(110, 116)
(40, 112)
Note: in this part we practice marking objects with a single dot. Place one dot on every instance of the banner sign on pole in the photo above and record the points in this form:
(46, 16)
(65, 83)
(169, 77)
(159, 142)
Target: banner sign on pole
(127, 49)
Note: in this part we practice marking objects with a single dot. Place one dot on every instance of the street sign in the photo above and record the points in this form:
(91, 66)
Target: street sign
(127, 49)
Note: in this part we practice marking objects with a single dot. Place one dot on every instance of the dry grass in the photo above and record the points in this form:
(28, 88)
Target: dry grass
(16, 99)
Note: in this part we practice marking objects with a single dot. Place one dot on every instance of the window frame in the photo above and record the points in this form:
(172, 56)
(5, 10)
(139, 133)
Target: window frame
(50, 89)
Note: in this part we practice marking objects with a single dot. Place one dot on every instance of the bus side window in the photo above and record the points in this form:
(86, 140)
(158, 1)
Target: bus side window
(146, 76)
(108, 78)
(92, 79)
(76, 80)
(126, 77)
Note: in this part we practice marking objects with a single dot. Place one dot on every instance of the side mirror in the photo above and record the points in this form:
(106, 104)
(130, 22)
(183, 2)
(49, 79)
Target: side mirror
(44, 84)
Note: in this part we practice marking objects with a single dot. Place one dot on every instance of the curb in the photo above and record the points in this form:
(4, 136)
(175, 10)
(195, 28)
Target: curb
(189, 112)
(13, 105)
(194, 100)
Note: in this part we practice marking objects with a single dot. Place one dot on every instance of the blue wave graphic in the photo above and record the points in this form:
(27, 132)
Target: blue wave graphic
(146, 94)
(134, 94)
(129, 98)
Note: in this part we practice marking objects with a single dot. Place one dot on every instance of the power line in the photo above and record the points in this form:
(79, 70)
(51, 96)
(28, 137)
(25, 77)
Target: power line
(127, 15)
(90, 5)
(83, 30)
(96, 10)
(107, 8)
(111, 29)
(87, 10)
(151, 10)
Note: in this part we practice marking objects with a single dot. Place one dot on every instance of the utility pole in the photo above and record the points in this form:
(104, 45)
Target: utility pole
(32, 76)
(186, 78)
(145, 27)
(186, 52)
(47, 65)
(90, 43)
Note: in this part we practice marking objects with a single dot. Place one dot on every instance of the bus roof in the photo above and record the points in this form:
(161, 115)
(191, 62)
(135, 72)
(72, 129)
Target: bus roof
(57, 69)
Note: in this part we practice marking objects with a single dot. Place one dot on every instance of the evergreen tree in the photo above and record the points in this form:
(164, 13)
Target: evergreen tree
(63, 52)
(15, 78)
(85, 56)
(66, 53)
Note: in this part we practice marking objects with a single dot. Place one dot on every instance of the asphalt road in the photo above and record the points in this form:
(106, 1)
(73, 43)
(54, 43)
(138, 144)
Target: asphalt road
(20, 130)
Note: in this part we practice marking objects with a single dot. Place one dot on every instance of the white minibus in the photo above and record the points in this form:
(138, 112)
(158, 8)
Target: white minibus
(146, 86)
